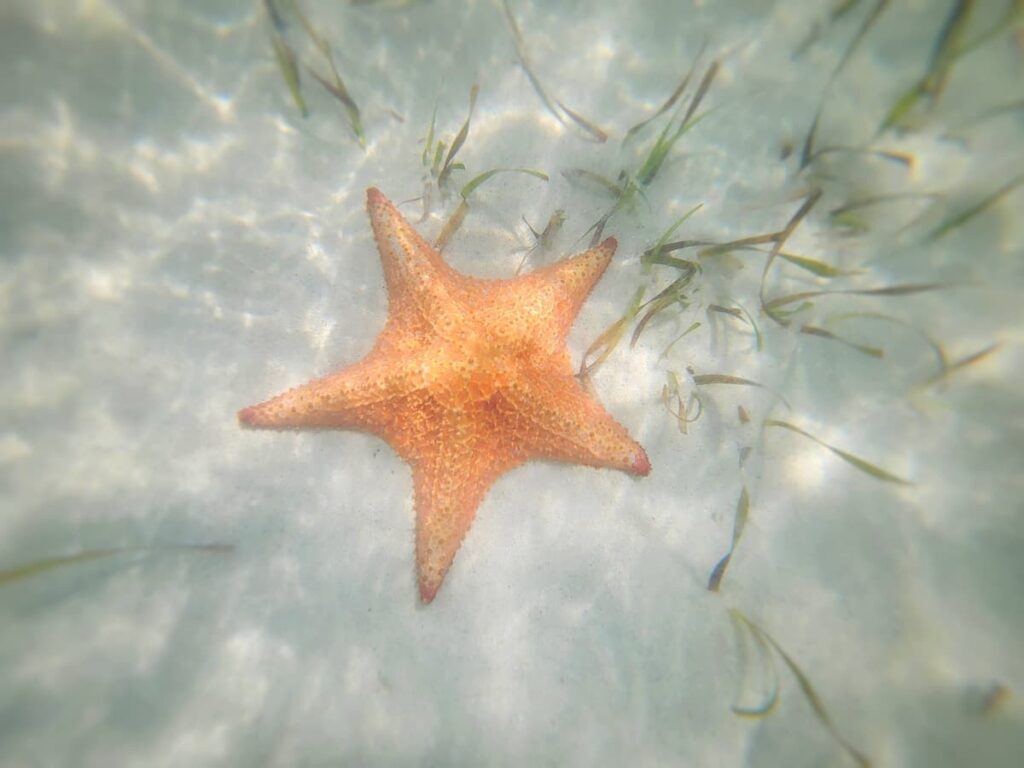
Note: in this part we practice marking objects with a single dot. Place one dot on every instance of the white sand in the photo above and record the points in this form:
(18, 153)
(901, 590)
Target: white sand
(177, 243)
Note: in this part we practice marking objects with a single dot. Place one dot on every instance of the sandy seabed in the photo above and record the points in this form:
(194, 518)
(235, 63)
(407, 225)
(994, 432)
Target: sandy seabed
(177, 242)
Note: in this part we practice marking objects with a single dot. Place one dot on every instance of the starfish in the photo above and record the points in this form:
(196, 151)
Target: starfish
(468, 379)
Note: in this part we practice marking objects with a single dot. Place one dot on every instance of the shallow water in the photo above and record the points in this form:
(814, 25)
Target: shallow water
(177, 242)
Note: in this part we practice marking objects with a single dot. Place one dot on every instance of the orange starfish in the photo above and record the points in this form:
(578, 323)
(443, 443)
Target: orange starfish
(468, 379)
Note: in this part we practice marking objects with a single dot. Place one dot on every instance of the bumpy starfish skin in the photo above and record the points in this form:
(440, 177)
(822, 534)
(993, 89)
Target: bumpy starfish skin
(468, 379)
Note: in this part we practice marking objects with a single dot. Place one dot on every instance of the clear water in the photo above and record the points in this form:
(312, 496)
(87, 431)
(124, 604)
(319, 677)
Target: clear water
(176, 242)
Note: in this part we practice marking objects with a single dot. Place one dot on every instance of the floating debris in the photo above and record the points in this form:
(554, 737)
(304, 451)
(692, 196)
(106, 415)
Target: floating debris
(710, 250)
(289, 65)
(563, 114)
(543, 240)
(739, 522)
(606, 342)
(906, 159)
(1007, 108)
(577, 177)
(988, 699)
(808, 153)
(276, 19)
(440, 165)
(840, 10)
(36, 567)
(950, 368)
(947, 49)
(428, 144)
(439, 160)
(652, 255)
(674, 293)
(667, 139)
(864, 466)
(455, 220)
(451, 225)
(457, 142)
(669, 103)
(285, 56)
(844, 216)
(589, 127)
(673, 391)
(693, 327)
(335, 86)
(731, 311)
(813, 330)
(763, 644)
(961, 218)
(936, 347)
(814, 266)
(630, 185)
(721, 378)
(893, 290)
(707, 379)
(339, 91)
(740, 313)
(479, 179)
(757, 670)
(950, 46)
(779, 239)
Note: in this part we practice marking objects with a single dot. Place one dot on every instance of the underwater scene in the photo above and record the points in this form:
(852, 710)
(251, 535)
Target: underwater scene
(510, 382)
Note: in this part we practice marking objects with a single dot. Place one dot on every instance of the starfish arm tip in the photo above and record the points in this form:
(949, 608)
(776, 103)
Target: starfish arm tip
(427, 592)
(261, 416)
(374, 195)
(248, 417)
(610, 243)
(641, 464)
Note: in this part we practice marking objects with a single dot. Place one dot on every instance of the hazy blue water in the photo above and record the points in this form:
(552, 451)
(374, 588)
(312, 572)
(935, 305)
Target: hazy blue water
(176, 242)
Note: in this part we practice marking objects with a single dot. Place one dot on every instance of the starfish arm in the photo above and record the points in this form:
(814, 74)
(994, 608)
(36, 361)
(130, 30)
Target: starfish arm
(559, 420)
(362, 397)
(573, 279)
(450, 482)
(425, 295)
(536, 311)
